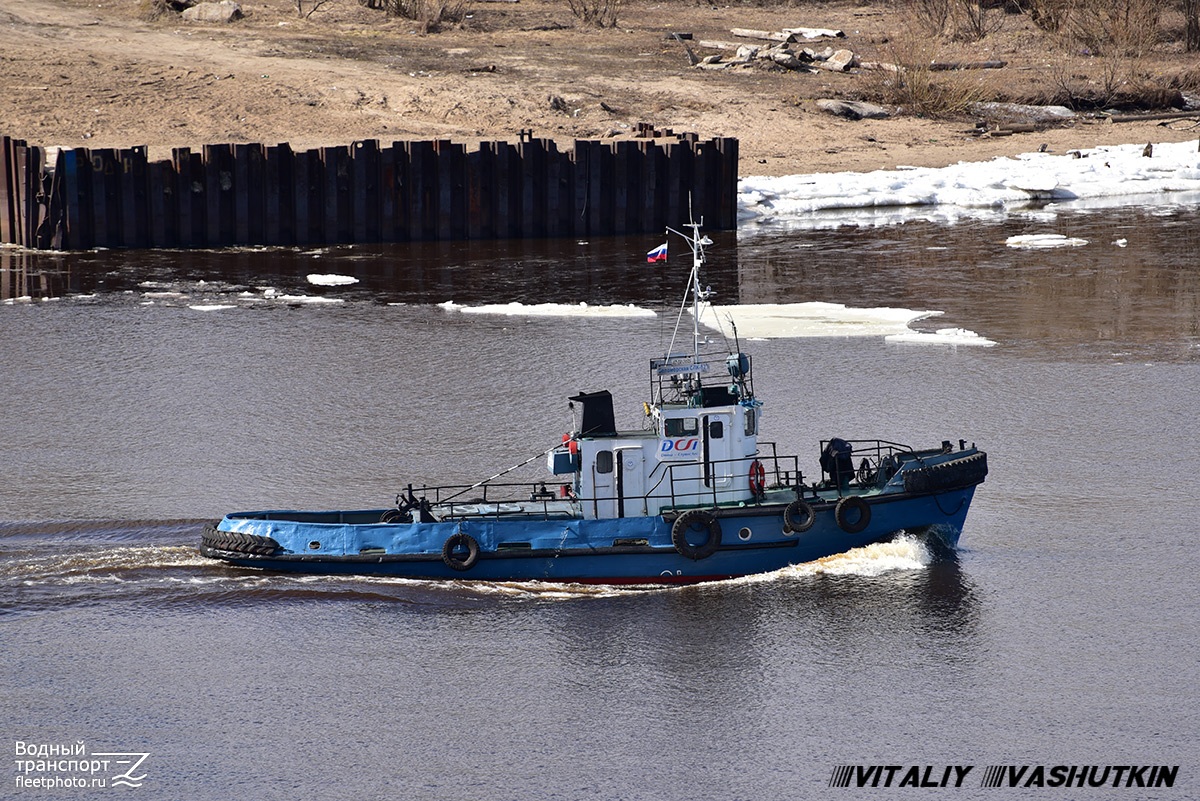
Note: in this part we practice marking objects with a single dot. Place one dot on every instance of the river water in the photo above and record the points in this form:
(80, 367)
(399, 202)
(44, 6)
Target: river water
(144, 393)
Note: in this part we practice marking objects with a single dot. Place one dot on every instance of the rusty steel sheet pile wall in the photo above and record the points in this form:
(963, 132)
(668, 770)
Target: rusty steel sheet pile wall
(254, 194)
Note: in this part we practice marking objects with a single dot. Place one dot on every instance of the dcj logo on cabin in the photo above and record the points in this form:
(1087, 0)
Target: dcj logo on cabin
(681, 448)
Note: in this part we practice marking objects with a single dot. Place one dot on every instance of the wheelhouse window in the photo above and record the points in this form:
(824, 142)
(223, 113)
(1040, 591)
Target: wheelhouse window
(751, 422)
(604, 461)
(681, 426)
(716, 429)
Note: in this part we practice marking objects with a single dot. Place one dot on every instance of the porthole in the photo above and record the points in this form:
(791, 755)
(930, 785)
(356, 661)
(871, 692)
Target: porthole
(745, 534)
(315, 545)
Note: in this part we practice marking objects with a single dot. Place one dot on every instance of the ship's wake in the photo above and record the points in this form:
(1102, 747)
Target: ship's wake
(51, 574)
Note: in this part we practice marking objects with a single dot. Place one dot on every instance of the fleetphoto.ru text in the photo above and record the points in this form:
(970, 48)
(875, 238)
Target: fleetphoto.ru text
(71, 765)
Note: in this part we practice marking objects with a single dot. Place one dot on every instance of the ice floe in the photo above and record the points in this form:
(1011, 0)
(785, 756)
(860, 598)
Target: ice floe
(550, 309)
(1102, 176)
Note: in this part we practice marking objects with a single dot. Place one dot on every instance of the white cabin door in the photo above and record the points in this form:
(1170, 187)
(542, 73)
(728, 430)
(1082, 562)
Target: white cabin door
(716, 439)
(604, 484)
(631, 481)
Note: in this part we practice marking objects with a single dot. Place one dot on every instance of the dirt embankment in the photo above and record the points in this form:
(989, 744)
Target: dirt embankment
(93, 74)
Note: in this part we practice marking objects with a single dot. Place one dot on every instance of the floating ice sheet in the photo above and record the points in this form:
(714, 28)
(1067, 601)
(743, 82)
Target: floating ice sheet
(1032, 241)
(814, 319)
(305, 299)
(331, 279)
(1100, 176)
(943, 336)
(550, 310)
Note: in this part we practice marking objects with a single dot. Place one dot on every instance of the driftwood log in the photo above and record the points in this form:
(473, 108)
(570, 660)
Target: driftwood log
(853, 109)
(815, 33)
(693, 59)
(770, 36)
(1163, 115)
(946, 66)
(937, 66)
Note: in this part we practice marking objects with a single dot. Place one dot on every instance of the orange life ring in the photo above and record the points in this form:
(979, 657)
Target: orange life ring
(572, 444)
(758, 477)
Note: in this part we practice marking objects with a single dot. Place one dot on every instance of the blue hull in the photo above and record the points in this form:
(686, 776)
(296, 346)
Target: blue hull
(631, 550)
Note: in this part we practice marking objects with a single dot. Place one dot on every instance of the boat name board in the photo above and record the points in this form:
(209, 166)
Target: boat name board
(682, 368)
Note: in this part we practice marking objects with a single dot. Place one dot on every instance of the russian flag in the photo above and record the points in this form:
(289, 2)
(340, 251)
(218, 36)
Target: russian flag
(658, 254)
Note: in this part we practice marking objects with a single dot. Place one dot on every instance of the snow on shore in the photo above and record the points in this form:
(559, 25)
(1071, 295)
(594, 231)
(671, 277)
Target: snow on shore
(1100, 177)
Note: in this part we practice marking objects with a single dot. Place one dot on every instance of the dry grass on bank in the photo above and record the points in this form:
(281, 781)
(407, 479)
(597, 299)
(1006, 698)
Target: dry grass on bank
(1087, 54)
(98, 75)
(1094, 54)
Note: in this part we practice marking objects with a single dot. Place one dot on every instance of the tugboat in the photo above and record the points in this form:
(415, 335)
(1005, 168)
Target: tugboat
(695, 496)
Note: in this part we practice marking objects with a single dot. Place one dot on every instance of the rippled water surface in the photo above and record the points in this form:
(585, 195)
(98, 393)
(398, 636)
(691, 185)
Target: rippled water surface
(145, 393)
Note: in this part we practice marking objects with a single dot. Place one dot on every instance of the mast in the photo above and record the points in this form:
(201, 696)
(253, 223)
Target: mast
(697, 250)
(697, 243)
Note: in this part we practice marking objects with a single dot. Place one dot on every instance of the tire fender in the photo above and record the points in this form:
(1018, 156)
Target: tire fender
(798, 516)
(852, 514)
(453, 543)
(692, 521)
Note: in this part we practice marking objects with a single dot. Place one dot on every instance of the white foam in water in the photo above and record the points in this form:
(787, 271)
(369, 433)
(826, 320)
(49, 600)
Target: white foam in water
(1098, 177)
(544, 590)
(550, 310)
(104, 565)
(1030, 241)
(789, 320)
(943, 336)
(331, 279)
(207, 307)
(537, 590)
(902, 553)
